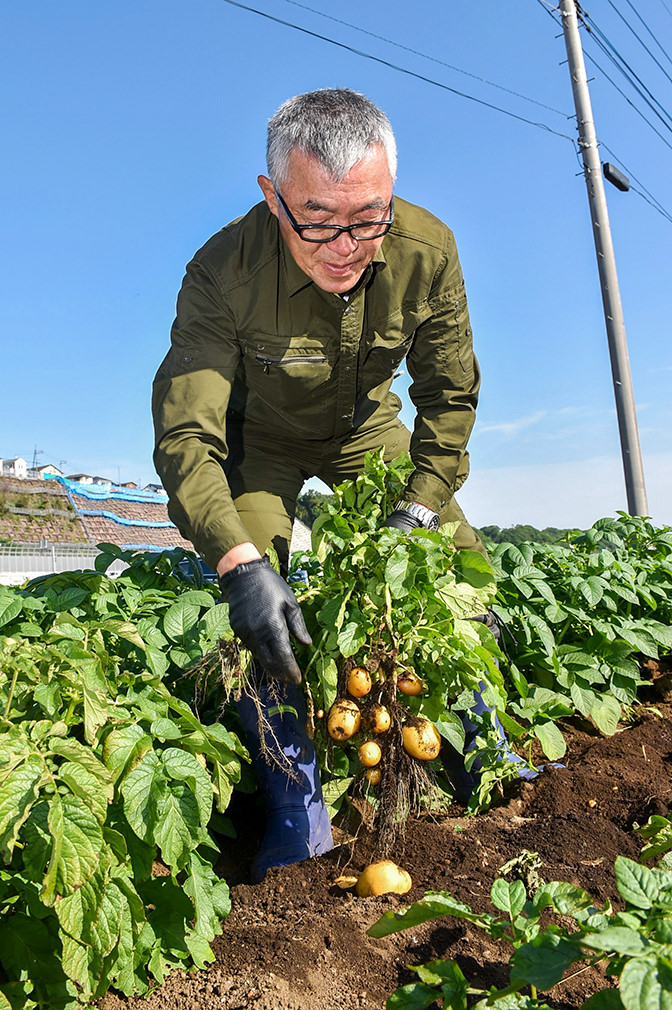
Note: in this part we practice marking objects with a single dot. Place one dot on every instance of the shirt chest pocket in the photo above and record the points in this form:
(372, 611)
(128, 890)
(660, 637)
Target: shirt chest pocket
(387, 343)
(283, 370)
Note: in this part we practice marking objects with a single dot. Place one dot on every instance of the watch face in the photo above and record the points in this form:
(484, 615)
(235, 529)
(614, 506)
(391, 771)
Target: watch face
(433, 523)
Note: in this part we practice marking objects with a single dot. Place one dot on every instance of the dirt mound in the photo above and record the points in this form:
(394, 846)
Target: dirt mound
(295, 942)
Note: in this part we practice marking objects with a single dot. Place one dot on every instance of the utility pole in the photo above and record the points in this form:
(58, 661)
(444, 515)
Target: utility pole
(611, 298)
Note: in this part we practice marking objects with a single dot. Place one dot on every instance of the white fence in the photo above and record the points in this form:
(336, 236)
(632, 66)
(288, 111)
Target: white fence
(19, 562)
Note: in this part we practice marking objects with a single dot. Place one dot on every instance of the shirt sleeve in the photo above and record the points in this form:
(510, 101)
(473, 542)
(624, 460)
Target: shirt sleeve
(190, 398)
(444, 389)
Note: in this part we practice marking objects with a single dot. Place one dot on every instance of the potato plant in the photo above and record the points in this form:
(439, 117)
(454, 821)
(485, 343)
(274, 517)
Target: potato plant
(391, 616)
(634, 944)
(107, 783)
(582, 614)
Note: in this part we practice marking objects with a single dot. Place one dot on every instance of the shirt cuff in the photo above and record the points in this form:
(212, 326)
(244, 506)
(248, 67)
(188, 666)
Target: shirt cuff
(428, 490)
(212, 544)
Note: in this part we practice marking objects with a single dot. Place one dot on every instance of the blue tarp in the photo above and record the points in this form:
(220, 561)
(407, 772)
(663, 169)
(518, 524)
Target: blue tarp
(118, 519)
(97, 492)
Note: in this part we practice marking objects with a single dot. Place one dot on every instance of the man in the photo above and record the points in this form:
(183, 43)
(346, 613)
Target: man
(291, 323)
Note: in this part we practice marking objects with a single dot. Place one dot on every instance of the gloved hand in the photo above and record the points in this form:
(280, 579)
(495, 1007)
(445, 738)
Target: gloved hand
(400, 519)
(411, 515)
(263, 611)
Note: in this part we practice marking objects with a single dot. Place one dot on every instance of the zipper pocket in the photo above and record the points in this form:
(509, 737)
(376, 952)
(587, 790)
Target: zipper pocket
(302, 359)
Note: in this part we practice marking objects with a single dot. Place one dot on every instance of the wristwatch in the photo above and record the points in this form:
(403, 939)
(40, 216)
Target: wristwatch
(425, 516)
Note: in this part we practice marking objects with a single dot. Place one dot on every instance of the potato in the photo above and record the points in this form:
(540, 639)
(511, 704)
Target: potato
(378, 719)
(369, 754)
(343, 719)
(373, 776)
(383, 877)
(421, 739)
(410, 684)
(359, 682)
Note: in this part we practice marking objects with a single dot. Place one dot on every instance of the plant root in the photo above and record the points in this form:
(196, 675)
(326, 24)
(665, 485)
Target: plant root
(228, 673)
(406, 788)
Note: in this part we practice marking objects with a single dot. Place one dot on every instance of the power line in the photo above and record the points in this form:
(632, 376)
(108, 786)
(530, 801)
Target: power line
(629, 101)
(666, 7)
(425, 56)
(428, 80)
(551, 9)
(399, 69)
(644, 193)
(637, 14)
(621, 64)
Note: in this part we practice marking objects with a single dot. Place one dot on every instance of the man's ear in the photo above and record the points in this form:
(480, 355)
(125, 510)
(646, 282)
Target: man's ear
(268, 189)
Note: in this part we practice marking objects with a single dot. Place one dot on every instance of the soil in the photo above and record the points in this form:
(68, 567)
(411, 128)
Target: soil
(297, 942)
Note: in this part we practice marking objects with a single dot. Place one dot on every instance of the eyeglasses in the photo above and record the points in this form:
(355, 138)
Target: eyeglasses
(328, 232)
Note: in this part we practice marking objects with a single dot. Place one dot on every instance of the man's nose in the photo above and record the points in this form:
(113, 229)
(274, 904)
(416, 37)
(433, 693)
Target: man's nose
(344, 243)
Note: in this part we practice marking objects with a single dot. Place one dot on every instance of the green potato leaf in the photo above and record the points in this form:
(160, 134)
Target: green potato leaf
(638, 885)
(77, 843)
(179, 619)
(543, 960)
(646, 984)
(19, 789)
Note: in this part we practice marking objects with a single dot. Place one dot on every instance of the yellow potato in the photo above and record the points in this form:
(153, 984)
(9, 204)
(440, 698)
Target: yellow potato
(369, 754)
(359, 682)
(421, 740)
(379, 719)
(410, 684)
(383, 877)
(343, 719)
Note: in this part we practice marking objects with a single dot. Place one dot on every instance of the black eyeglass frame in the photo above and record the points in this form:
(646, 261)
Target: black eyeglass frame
(338, 229)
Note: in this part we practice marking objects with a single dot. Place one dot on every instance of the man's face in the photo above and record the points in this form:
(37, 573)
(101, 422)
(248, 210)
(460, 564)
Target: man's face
(313, 197)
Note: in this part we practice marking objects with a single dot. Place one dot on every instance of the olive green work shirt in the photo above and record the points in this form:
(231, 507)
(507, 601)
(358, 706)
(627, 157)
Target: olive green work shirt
(254, 335)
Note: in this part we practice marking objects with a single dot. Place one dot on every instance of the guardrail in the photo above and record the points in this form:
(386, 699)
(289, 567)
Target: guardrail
(19, 562)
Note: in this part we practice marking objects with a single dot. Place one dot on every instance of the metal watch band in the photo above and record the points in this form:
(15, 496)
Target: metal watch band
(426, 517)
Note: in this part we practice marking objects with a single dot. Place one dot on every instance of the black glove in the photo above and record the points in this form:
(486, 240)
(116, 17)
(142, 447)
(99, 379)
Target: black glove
(262, 611)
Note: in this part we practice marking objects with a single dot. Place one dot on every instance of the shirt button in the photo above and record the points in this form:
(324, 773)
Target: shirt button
(347, 368)
(345, 417)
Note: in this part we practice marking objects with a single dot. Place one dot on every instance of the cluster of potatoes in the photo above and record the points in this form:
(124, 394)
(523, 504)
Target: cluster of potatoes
(345, 718)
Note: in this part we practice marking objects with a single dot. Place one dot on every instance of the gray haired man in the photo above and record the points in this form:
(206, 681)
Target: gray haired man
(291, 323)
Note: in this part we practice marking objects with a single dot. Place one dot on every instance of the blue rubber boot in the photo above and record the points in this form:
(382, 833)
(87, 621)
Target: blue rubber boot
(464, 782)
(503, 749)
(297, 821)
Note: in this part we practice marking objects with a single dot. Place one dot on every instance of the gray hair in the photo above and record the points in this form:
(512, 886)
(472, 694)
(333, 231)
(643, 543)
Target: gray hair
(336, 126)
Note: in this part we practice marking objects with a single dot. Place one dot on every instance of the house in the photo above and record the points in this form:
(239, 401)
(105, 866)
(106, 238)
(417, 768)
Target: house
(155, 488)
(81, 478)
(15, 467)
(40, 472)
(129, 483)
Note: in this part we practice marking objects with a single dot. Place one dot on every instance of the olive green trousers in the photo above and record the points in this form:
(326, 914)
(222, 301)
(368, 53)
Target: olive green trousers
(266, 475)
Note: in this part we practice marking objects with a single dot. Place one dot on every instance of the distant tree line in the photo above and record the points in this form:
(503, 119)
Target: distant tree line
(311, 503)
(520, 534)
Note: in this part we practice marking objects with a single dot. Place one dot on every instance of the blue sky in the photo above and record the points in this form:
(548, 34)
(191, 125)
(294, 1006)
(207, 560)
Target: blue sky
(134, 130)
